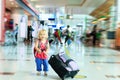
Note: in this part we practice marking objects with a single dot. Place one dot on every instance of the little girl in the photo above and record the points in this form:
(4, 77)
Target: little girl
(41, 51)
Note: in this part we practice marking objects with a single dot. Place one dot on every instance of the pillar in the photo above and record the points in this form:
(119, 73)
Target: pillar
(2, 11)
(113, 18)
(118, 10)
(111, 33)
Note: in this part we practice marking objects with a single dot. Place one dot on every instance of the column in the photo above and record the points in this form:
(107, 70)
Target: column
(2, 10)
(111, 33)
(113, 18)
(118, 10)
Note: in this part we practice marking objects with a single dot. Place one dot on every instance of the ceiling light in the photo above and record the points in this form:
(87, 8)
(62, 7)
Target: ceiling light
(102, 18)
(12, 3)
(94, 21)
(37, 6)
(11, 0)
(16, 6)
(33, 0)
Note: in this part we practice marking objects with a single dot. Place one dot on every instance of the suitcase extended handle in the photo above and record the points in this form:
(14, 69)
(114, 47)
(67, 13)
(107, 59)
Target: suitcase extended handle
(67, 62)
(52, 56)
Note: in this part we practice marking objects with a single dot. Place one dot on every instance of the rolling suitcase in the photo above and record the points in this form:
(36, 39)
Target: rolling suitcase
(63, 65)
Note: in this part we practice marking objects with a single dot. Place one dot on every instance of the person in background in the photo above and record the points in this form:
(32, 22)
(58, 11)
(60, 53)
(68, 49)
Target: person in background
(60, 30)
(57, 35)
(97, 35)
(93, 34)
(16, 31)
(29, 34)
(67, 34)
(41, 52)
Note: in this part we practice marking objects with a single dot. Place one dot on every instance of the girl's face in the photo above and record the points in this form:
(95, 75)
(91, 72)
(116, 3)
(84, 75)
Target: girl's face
(42, 35)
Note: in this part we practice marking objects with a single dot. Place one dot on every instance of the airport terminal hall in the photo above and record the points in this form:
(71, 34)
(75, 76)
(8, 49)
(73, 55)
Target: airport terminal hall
(59, 39)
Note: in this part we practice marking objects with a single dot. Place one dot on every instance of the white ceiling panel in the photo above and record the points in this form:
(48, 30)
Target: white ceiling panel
(74, 2)
(56, 2)
(49, 2)
(71, 6)
(93, 3)
(78, 10)
(86, 8)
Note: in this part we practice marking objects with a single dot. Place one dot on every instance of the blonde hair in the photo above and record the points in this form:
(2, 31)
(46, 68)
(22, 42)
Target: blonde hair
(42, 31)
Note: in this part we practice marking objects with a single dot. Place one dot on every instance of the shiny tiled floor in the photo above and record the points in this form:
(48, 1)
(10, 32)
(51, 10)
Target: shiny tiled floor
(17, 63)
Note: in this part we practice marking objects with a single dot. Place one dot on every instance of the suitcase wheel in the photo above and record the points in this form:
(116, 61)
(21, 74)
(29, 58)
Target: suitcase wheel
(62, 78)
(72, 76)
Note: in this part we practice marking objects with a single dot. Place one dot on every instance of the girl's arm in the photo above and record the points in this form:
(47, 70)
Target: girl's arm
(36, 46)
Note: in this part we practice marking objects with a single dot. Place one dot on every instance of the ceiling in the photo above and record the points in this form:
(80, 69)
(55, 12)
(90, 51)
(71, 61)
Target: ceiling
(71, 6)
(103, 10)
(95, 8)
(12, 4)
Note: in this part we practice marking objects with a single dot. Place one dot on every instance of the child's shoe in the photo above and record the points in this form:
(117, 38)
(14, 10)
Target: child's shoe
(45, 74)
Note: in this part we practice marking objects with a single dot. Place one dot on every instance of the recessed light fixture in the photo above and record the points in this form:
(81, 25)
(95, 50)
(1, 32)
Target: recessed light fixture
(16, 6)
(33, 0)
(11, 0)
(38, 6)
(12, 3)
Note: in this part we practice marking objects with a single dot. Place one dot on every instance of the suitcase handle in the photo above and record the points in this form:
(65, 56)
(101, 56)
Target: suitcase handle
(52, 56)
(67, 62)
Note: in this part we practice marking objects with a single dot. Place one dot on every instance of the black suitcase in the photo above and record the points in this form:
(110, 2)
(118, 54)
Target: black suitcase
(63, 65)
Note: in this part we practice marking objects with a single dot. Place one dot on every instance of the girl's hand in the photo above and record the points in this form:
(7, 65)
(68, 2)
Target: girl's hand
(39, 51)
(45, 52)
